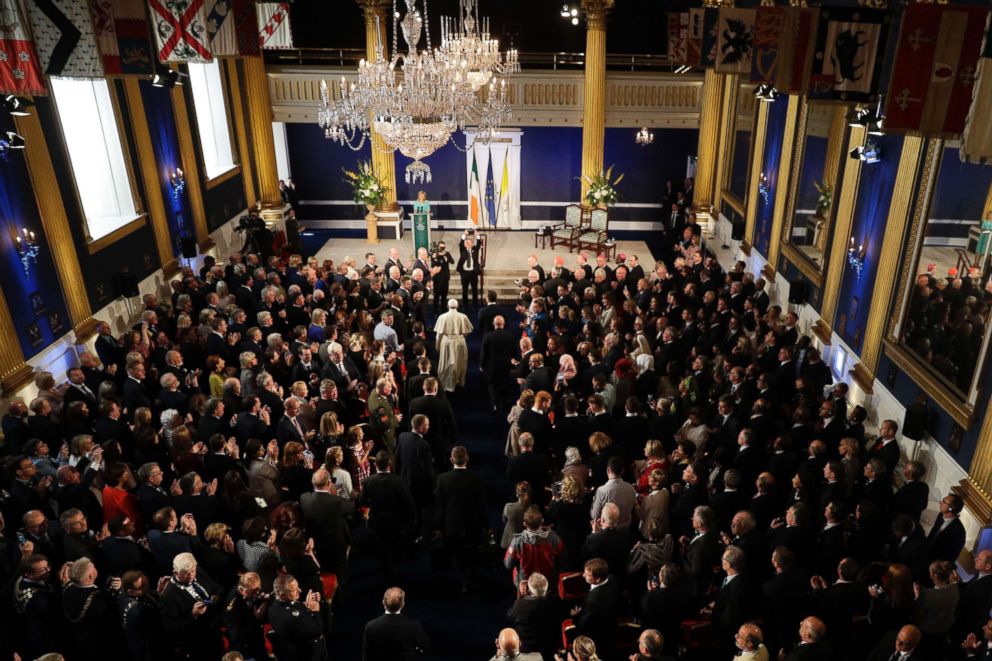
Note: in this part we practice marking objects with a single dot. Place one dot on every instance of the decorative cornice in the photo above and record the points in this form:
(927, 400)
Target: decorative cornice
(975, 499)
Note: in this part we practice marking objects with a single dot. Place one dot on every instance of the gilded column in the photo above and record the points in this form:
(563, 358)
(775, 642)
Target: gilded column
(594, 88)
(260, 132)
(725, 140)
(383, 158)
(841, 232)
(191, 169)
(976, 489)
(888, 260)
(56, 225)
(757, 155)
(709, 140)
(150, 176)
(782, 186)
(14, 372)
(240, 133)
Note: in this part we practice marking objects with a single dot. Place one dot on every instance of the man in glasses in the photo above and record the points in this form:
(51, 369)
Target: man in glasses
(36, 605)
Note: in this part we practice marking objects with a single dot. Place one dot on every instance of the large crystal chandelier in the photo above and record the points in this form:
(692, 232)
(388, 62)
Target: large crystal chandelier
(416, 100)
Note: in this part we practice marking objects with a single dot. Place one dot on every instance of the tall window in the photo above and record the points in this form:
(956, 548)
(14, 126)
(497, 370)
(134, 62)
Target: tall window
(95, 153)
(211, 117)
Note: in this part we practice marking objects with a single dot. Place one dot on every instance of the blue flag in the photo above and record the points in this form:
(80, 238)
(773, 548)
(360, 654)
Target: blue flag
(490, 194)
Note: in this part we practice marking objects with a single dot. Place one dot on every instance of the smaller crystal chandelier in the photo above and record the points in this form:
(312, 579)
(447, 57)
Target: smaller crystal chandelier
(856, 256)
(177, 182)
(27, 248)
(644, 137)
(466, 39)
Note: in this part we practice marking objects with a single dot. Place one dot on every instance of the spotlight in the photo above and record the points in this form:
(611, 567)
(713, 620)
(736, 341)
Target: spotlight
(860, 116)
(565, 13)
(685, 68)
(574, 12)
(766, 93)
(12, 141)
(575, 21)
(17, 106)
(869, 153)
(166, 77)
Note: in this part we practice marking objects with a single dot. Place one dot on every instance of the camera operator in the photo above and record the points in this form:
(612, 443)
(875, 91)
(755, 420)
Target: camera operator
(469, 267)
(441, 261)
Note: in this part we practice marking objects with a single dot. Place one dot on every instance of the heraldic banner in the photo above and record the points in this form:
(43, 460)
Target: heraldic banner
(121, 31)
(63, 36)
(735, 37)
(847, 62)
(180, 28)
(20, 72)
(935, 63)
(232, 28)
(976, 143)
(273, 24)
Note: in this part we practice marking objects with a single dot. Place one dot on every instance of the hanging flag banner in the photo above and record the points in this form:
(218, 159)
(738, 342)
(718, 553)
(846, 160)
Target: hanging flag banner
(768, 24)
(490, 194)
(503, 210)
(735, 40)
(678, 34)
(180, 29)
(694, 41)
(850, 46)
(121, 31)
(475, 193)
(795, 50)
(20, 71)
(934, 71)
(273, 23)
(976, 143)
(63, 37)
(232, 28)
(711, 21)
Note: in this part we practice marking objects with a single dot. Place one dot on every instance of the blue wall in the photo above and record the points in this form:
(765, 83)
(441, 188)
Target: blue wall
(739, 163)
(959, 194)
(871, 211)
(36, 326)
(550, 164)
(774, 139)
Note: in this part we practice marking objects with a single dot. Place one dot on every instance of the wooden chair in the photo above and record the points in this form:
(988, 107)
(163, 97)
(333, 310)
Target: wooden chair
(628, 635)
(566, 233)
(572, 587)
(595, 236)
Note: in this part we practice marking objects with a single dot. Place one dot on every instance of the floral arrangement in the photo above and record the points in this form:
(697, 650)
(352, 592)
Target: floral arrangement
(825, 198)
(601, 189)
(365, 185)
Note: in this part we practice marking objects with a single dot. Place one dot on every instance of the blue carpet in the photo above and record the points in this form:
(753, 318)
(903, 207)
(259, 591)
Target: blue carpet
(460, 627)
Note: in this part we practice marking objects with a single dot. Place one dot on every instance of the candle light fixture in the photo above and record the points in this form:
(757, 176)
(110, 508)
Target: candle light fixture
(644, 137)
(27, 248)
(177, 182)
(856, 256)
(763, 188)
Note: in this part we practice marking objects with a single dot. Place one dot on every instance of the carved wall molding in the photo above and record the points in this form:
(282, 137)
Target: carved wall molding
(539, 98)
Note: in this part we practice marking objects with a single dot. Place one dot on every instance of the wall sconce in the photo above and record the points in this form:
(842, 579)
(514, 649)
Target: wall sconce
(644, 137)
(27, 249)
(856, 256)
(177, 182)
(763, 188)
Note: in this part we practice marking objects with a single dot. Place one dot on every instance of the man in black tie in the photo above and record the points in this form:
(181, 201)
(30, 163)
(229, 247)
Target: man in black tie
(79, 391)
(290, 427)
(470, 269)
(499, 348)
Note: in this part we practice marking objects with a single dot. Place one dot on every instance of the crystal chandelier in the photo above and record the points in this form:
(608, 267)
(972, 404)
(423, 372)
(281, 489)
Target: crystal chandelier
(644, 137)
(416, 100)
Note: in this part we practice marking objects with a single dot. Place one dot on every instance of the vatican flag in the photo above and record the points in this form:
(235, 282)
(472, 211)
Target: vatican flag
(503, 211)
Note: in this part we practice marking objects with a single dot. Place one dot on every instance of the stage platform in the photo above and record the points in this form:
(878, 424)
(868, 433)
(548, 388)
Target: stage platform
(506, 255)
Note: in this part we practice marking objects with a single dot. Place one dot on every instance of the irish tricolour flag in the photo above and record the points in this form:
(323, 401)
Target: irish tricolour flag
(474, 194)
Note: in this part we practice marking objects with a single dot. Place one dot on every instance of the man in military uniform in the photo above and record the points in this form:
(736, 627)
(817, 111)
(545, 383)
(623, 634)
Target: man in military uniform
(298, 628)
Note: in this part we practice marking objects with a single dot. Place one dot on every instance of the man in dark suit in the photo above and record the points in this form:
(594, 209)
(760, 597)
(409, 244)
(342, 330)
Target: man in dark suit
(905, 642)
(290, 427)
(702, 552)
(535, 420)
(811, 647)
(597, 616)
(217, 342)
(415, 466)
(186, 606)
(667, 602)
(531, 467)
(488, 314)
(838, 604)
(469, 269)
(394, 636)
(461, 513)
(540, 377)
(908, 546)
(252, 421)
(79, 391)
(340, 368)
(829, 541)
(325, 518)
(391, 510)
(914, 494)
(107, 347)
(734, 602)
(297, 625)
(976, 597)
(442, 431)
(537, 617)
(784, 600)
(499, 348)
(609, 542)
(134, 391)
(886, 447)
(946, 538)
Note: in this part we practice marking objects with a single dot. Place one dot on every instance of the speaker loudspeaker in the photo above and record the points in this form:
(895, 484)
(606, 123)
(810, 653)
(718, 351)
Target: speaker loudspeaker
(737, 231)
(126, 284)
(188, 244)
(914, 425)
(797, 292)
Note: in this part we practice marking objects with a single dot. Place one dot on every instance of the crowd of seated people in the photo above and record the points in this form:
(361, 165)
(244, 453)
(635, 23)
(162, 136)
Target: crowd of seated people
(687, 480)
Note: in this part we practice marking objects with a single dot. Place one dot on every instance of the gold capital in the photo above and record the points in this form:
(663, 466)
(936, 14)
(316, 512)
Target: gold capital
(597, 12)
(373, 9)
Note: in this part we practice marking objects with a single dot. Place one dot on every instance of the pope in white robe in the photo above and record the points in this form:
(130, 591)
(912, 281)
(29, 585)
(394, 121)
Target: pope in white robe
(452, 327)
